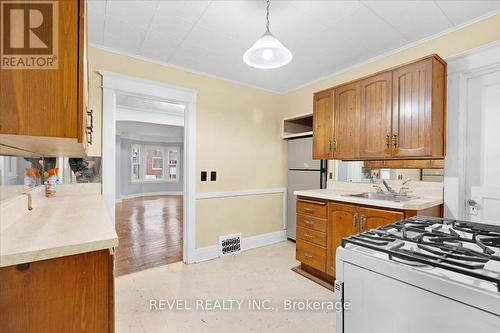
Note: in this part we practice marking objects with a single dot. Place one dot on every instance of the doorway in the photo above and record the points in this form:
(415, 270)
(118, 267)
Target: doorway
(149, 100)
(472, 185)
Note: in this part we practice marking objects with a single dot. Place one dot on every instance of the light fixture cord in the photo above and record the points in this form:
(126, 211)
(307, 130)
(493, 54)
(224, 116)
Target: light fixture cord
(267, 15)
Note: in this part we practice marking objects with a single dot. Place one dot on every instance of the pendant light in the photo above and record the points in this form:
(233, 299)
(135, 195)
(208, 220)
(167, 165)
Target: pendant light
(267, 52)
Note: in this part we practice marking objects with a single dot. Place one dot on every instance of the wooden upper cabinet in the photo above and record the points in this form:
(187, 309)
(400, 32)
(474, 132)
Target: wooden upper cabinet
(43, 102)
(342, 222)
(375, 118)
(418, 109)
(346, 112)
(395, 114)
(44, 110)
(323, 125)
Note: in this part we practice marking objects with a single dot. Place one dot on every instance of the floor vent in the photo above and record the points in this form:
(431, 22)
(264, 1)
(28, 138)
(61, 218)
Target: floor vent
(229, 244)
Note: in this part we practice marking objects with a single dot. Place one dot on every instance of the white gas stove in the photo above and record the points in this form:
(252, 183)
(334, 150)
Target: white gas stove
(422, 274)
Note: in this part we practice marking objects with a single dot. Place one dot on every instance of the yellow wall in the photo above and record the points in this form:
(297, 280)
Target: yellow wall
(238, 128)
(238, 135)
(469, 37)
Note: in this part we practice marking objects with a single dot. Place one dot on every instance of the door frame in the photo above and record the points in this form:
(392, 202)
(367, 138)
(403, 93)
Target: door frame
(462, 68)
(113, 83)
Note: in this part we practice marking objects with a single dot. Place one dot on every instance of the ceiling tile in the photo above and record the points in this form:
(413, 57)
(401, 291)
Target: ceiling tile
(413, 19)
(95, 27)
(123, 34)
(462, 11)
(187, 10)
(139, 13)
(97, 6)
(160, 46)
(324, 36)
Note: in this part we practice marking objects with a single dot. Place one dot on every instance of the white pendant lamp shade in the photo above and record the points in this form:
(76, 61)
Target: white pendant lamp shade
(267, 52)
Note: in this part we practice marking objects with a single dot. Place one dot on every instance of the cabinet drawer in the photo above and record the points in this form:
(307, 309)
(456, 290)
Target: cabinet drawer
(311, 208)
(310, 254)
(311, 223)
(313, 236)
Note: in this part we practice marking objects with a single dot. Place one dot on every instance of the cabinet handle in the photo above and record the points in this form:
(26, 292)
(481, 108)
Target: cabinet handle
(308, 255)
(387, 140)
(334, 144)
(355, 224)
(308, 222)
(363, 223)
(395, 141)
(309, 210)
(308, 236)
(330, 145)
(23, 267)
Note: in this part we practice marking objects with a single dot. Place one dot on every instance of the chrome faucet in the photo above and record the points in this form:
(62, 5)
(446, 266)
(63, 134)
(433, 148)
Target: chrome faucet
(389, 189)
(404, 190)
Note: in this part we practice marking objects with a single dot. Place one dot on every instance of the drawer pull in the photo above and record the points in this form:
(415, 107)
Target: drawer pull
(309, 222)
(309, 210)
(308, 236)
(308, 255)
(321, 203)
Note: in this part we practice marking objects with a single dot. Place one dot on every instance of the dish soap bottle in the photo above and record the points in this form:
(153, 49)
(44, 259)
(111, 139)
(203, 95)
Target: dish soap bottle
(51, 182)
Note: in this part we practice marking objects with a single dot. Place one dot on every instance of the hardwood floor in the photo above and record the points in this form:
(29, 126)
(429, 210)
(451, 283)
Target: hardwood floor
(149, 231)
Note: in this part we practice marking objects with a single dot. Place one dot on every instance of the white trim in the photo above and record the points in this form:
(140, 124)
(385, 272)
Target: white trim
(247, 243)
(461, 68)
(148, 194)
(113, 83)
(242, 193)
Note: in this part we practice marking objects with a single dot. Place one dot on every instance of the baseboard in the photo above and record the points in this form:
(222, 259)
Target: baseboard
(247, 243)
(147, 194)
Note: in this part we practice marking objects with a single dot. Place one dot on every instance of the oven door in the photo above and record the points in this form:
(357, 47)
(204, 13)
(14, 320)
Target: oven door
(379, 303)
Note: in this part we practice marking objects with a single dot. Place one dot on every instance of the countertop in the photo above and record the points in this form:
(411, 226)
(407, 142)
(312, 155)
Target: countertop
(340, 195)
(56, 227)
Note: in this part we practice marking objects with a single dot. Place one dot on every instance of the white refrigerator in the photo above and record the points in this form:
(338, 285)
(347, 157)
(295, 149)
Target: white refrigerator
(304, 173)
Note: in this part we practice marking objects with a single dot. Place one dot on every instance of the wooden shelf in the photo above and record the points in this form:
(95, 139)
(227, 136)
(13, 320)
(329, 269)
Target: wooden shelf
(297, 126)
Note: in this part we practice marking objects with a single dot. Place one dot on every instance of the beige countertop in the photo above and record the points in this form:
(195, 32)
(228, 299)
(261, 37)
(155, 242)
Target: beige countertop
(340, 195)
(57, 227)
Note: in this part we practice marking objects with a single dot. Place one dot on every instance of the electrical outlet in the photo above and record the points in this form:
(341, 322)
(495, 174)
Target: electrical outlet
(203, 176)
(213, 176)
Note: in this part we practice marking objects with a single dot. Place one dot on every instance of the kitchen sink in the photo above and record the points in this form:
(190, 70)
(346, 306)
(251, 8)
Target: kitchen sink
(382, 196)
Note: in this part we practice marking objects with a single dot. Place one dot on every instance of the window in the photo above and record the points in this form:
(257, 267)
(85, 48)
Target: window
(154, 163)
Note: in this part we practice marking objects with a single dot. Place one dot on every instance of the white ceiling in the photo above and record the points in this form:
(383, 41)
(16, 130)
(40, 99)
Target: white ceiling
(324, 36)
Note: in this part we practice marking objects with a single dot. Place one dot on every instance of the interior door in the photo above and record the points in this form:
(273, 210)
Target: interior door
(371, 218)
(375, 114)
(412, 108)
(347, 112)
(323, 125)
(483, 153)
(342, 222)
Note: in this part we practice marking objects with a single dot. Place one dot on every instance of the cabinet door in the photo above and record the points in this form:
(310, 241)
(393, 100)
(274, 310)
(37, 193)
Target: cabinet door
(342, 222)
(347, 111)
(323, 125)
(371, 218)
(66, 294)
(43, 102)
(376, 112)
(412, 110)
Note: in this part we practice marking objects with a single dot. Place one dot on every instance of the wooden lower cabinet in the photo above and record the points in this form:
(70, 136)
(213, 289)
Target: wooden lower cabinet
(322, 224)
(342, 222)
(67, 294)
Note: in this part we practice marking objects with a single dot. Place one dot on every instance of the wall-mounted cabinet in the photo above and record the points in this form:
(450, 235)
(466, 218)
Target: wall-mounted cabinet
(45, 110)
(395, 114)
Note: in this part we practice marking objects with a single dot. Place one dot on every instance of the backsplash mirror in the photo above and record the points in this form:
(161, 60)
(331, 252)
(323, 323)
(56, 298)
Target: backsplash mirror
(19, 174)
(354, 171)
